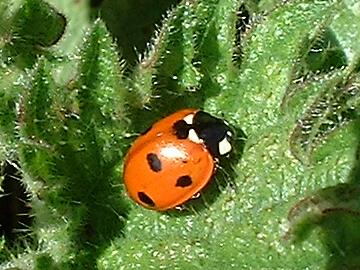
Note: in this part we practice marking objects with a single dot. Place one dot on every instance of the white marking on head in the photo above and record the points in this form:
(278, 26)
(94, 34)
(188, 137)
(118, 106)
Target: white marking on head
(196, 196)
(194, 137)
(189, 119)
(224, 147)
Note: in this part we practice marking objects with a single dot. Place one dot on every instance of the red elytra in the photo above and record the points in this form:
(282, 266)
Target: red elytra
(163, 170)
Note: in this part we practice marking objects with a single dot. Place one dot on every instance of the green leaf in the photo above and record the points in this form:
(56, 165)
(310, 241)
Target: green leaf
(335, 210)
(35, 26)
(70, 141)
(9, 96)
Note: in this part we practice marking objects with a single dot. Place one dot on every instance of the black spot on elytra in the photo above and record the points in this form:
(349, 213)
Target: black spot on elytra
(184, 181)
(146, 199)
(181, 129)
(154, 162)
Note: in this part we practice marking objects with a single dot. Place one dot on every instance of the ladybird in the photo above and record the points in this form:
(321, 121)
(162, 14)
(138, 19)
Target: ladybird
(175, 158)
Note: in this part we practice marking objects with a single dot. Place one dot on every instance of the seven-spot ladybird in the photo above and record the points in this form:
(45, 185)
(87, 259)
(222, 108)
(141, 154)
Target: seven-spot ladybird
(175, 158)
